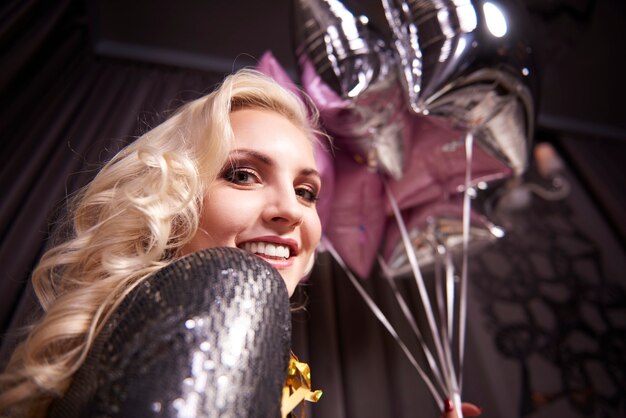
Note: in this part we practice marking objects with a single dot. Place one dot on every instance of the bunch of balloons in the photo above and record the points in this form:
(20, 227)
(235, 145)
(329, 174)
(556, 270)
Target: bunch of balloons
(421, 121)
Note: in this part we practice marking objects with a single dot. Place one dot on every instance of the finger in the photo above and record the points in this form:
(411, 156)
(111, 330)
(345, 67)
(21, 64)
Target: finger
(470, 410)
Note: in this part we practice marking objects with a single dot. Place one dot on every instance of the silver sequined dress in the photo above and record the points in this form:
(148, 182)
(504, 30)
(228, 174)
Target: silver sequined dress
(207, 336)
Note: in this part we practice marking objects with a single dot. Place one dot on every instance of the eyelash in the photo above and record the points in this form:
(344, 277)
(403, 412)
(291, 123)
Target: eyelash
(230, 176)
(311, 197)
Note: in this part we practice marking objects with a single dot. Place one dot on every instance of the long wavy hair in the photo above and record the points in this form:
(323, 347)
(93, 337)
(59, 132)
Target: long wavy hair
(130, 221)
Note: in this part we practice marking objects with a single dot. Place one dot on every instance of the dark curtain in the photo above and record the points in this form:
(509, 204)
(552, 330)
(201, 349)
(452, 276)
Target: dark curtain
(545, 331)
(64, 113)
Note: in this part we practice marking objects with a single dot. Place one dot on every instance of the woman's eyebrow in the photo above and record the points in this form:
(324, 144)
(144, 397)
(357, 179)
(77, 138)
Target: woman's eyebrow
(311, 172)
(244, 152)
(267, 160)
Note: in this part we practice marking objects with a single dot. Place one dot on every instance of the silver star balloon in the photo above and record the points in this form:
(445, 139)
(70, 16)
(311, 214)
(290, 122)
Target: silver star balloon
(350, 74)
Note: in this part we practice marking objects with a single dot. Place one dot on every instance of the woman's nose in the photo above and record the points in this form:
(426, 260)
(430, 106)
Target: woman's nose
(284, 207)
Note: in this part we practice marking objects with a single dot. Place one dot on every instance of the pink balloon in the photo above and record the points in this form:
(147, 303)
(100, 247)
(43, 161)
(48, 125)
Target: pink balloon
(270, 66)
(358, 214)
(435, 164)
(329, 104)
(325, 166)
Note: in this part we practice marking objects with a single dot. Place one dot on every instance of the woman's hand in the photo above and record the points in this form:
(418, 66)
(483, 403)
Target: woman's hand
(468, 409)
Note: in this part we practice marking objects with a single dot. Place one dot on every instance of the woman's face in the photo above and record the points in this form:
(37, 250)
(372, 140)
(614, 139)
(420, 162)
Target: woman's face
(264, 199)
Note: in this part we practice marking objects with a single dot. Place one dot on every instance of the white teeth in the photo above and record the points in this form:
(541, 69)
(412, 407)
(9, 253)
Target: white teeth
(282, 251)
(266, 248)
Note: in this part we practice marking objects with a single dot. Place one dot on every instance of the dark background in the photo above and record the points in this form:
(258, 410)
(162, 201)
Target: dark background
(80, 79)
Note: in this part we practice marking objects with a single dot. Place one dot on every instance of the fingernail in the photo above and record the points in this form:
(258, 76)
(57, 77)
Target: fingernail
(448, 406)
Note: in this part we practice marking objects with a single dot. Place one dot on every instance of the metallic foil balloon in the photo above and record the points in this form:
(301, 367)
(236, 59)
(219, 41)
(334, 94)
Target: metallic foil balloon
(436, 228)
(468, 60)
(350, 74)
(501, 121)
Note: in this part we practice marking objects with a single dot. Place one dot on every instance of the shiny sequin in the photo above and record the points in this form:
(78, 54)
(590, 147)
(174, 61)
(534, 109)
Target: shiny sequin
(207, 336)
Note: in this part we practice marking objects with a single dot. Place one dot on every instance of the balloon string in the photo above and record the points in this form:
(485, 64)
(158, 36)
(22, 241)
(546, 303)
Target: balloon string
(450, 293)
(411, 320)
(428, 310)
(469, 140)
(446, 308)
(383, 320)
(447, 345)
(446, 305)
(439, 291)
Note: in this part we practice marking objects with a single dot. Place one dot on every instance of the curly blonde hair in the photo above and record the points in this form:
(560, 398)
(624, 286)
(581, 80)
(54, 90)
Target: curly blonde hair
(130, 221)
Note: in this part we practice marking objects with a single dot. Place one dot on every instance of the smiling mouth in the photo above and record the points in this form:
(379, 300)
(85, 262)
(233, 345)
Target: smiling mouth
(266, 249)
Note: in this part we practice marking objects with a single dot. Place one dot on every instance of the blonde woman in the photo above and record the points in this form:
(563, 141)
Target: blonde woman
(171, 296)
(129, 330)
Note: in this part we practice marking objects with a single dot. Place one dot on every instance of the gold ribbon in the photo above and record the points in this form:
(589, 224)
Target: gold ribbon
(297, 388)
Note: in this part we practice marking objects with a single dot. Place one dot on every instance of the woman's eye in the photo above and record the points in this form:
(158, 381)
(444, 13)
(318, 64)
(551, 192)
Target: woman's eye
(240, 176)
(306, 194)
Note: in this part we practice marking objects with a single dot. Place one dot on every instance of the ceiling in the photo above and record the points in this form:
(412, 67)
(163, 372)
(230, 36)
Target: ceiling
(578, 45)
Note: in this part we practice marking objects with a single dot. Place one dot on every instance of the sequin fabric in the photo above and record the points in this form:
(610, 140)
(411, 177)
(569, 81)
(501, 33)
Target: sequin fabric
(207, 336)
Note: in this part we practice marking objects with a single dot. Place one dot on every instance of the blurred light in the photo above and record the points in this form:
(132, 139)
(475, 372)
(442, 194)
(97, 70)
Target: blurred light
(467, 17)
(460, 47)
(496, 22)
(525, 71)
(361, 85)
(496, 231)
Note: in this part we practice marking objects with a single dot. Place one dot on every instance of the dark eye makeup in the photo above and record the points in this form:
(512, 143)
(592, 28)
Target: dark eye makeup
(234, 172)
(307, 194)
(241, 176)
